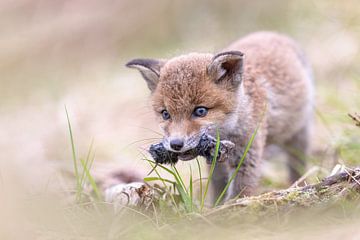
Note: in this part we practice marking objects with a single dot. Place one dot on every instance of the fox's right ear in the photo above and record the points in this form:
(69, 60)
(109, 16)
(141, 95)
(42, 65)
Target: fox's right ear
(227, 68)
(149, 69)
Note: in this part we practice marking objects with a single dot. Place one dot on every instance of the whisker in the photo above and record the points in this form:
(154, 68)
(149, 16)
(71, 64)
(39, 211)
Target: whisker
(151, 130)
(142, 140)
(142, 114)
(145, 150)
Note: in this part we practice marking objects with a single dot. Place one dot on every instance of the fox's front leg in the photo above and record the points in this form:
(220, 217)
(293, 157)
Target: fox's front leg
(247, 178)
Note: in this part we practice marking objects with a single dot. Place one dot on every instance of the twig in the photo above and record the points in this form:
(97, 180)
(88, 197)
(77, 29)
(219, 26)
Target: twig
(310, 172)
(356, 118)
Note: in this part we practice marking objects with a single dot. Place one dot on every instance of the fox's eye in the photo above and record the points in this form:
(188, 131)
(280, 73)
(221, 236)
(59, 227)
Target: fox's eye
(200, 112)
(165, 115)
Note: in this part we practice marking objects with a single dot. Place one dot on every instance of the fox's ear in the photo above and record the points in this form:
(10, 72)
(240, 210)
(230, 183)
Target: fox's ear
(149, 69)
(227, 67)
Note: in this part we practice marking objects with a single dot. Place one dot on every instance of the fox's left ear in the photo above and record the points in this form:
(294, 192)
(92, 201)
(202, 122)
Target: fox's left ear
(149, 69)
(227, 67)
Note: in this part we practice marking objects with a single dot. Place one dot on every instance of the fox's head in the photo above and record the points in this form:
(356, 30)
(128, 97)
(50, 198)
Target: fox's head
(192, 94)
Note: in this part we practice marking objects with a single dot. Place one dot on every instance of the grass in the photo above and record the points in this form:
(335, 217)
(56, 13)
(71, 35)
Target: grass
(192, 205)
(181, 211)
(177, 186)
(76, 171)
(85, 176)
(186, 193)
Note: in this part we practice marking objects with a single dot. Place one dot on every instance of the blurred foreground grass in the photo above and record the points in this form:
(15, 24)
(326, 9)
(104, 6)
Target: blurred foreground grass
(72, 52)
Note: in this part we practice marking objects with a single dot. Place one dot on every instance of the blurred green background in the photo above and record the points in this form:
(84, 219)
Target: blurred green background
(56, 53)
(72, 52)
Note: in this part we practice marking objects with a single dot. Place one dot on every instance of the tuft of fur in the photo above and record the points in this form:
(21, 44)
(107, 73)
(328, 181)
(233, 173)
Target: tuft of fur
(261, 78)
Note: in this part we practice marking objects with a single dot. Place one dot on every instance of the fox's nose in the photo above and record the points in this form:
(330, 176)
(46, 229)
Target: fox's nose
(176, 144)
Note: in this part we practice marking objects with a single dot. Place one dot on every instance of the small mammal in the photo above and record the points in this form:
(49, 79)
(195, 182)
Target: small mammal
(263, 78)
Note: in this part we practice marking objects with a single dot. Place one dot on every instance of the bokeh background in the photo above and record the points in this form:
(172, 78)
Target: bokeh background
(57, 53)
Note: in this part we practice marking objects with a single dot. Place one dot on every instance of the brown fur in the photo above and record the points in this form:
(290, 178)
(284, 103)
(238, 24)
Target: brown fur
(270, 85)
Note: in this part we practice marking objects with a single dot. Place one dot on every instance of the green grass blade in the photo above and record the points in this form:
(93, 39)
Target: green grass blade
(212, 168)
(182, 190)
(152, 163)
(199, 168)
(238, 166)
(163, 167)
(151, 179)
(78, 186)
(191, 190)
(179, 184)
(179, 177)
(88, 163)
(184, 197)
(91, 180)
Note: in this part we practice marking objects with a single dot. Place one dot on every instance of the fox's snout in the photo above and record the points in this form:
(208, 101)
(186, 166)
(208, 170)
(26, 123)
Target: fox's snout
(181, 143)
(182, 135)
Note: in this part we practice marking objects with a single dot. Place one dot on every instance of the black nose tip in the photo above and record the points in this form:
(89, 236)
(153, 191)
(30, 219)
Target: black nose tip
(176, 144)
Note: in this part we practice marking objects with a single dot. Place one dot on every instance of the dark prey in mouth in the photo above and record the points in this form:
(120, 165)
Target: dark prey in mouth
(206, 148)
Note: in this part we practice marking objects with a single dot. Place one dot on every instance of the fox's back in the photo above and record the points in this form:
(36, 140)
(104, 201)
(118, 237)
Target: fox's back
(276, 73)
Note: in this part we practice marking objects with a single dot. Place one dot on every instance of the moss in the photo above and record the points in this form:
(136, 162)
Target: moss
(292, 196)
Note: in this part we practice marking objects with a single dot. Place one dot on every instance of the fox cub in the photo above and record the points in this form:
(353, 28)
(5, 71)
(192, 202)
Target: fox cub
(260, 80)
